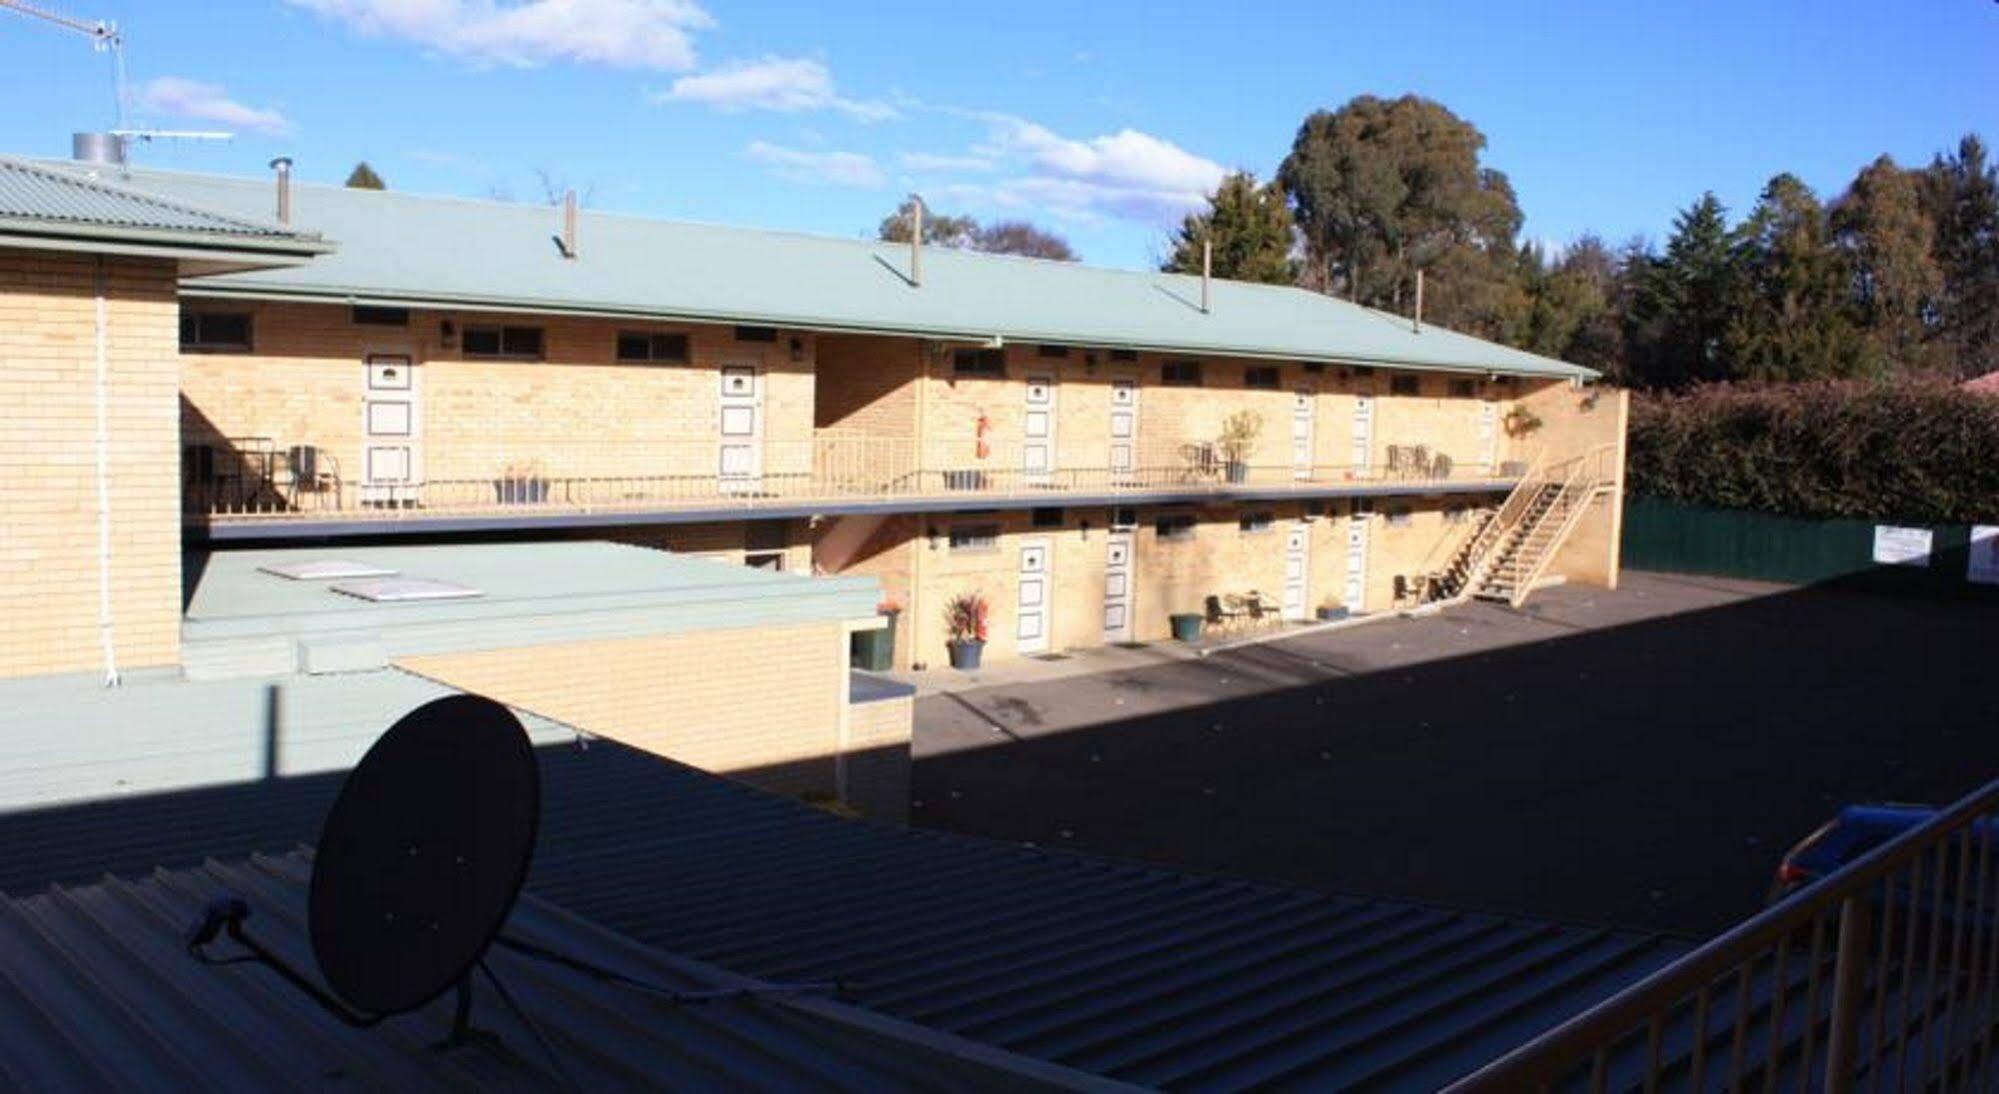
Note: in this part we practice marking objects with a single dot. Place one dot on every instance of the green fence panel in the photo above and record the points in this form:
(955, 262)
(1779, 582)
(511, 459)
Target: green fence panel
(1675, 537)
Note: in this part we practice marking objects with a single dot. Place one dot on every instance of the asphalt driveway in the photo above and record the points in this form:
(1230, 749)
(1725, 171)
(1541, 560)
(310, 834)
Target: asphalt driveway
(1638, 758)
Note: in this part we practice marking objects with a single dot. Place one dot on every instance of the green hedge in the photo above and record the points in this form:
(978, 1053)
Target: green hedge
(1912, 452)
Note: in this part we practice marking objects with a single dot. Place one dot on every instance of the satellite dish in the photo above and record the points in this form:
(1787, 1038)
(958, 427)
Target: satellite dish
(418, 865)
(423, 854)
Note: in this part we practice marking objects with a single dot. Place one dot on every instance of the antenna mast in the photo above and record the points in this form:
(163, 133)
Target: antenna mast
(105, 37)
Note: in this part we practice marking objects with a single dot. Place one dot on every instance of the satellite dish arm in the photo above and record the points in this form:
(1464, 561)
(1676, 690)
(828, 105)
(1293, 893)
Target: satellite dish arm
(226, 914)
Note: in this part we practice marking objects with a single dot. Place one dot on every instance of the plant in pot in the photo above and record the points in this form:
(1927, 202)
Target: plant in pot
(1330, 609)
(521, 484)
(1520, 421)
(965, 617)
(1187, 625)
(1238, 439)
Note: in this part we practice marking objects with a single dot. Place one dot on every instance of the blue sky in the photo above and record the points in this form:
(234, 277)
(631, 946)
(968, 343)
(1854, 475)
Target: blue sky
(1100, 120)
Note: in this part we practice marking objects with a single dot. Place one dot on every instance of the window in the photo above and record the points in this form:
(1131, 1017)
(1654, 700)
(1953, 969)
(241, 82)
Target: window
(1260, 376)
(756, 334)
(1174, 527)
(1463, 389)
(975, 537)
(1397, 516)
(369, 315)
(1315, 368)
(764, 560)
(1256, 521)
(1363, 370)
(214, 332)
(1456, 514)
(1180, 373)
(1123, 517)
(517, 342)
(1404, 385)
(1363, 506)
(1126, 356)
(640, 346)
(1048, 518)
(1046, 349)
(978, 362)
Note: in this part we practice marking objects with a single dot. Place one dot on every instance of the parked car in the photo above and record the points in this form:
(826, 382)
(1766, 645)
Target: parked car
(1851, 833)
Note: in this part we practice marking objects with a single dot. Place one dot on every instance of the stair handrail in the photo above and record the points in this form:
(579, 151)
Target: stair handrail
(1493, 532)
(1581, 481)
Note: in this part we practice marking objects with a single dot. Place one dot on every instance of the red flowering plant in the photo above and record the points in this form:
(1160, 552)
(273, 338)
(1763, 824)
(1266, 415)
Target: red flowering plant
(966, 615)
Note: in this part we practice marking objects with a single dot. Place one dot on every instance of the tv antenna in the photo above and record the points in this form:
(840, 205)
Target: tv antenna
(105, 37)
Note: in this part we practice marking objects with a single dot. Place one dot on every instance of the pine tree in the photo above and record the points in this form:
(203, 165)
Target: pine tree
(1250, 228)
(1682, 301)
(363, 177)
(1962, 192)
(1889, 241)
(1793, 320)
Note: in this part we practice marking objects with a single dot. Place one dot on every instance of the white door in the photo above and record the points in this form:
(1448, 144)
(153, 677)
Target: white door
(1038, 431)
(1124, 430)
(740, 421)
(1488, 434)
(1354, 596)
(391, 430)
(1117, 587)
(1363, 433)
(1031, 628)
(1297, 567)
(1304, 404)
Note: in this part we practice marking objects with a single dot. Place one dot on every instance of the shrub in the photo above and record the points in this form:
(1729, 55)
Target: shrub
(965, 616)
(1913, 451)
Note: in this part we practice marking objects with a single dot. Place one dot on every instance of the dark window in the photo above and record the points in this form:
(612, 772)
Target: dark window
(1404, 385)
(756, 334)
(370, 315)
(764, 560)
(1363, 370)
(975, 537)
(1463, 389)
(1048, 518)
(1260, 376)
(979, 362)
(518, 342)
(1048, 350)
(208, 332)
(1124, 516)
(1455, 514)
(640, 346)
(1174, 526)
(1180, 373)
(1126, 355)
(1397, 515)
(1315, 508)
(1314, 368)
(1363, 506)
(1257, 521)
(766, 535)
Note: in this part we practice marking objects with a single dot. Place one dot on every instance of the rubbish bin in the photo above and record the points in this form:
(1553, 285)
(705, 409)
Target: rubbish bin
(1187, 626)
(874, 651)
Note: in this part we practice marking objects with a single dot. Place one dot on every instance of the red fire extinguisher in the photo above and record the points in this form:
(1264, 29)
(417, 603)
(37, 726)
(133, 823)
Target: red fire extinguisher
(985, 447)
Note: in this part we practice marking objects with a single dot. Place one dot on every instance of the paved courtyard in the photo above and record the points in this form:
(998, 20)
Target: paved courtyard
(1639, 757)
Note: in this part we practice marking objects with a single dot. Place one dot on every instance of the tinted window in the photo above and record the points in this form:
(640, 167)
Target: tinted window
(1260, 376)
(368, 315)
(756, 334)
(214, 331)
(1181, 373)
(979, 362)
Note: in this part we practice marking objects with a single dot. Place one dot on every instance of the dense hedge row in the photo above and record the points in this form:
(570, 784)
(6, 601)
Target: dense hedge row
(1918, 452)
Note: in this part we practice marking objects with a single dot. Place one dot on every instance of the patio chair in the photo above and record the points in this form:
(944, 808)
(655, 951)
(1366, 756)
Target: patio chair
(1226, 612)
(1440, 466)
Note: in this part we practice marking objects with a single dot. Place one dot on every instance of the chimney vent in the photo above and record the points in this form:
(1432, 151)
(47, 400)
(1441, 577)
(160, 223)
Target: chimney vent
(1207, 272)
(569, 224)
(283, 166)
(1416, 325)
(105, 149)
(916, 240)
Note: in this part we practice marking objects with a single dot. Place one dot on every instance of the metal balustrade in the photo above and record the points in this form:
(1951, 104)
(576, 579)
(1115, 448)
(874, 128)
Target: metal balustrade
(833, 466)
(1881, 976)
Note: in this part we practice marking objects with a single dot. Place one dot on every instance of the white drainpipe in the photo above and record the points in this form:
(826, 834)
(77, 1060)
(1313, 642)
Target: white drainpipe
(103, 394)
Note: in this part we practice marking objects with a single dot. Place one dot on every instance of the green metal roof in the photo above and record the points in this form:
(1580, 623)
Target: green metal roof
(405, 248)
(38, 201)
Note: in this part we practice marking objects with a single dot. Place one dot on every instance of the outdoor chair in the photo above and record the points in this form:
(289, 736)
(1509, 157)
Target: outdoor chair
(1440, 466)
(1226, 612)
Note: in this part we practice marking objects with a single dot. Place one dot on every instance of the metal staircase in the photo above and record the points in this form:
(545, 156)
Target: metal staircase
(1510, 552)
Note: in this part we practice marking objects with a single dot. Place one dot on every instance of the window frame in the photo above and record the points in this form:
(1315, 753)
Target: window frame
(981, 358)
(503, 333)
(1405, 385)
(652, 341)
(1048, 516)
(247, 345)
(1190, 374)
(380, 315)
(1263, 377)
(973, 537)
(760, 335)
(1256, 522)
(1173, 527)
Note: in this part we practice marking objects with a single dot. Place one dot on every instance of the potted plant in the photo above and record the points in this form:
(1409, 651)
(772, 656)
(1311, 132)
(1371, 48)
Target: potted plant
(874, 650)
(965, 616)
(1520, 421)
(1187, 625)
(1238, 439)
(1330, 609)
(521, 484)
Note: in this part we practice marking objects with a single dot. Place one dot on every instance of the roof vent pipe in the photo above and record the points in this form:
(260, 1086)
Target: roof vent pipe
(916, 240)
(1416, 324)
(103, 149)
(569, 224)
(283, 166)
(1207, 271)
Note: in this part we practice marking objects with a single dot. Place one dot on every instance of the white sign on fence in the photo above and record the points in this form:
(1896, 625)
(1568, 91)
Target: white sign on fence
(1901, 546)
(1983, 566)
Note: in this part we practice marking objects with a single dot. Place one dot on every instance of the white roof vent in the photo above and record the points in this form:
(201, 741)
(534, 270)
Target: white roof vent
(398, 590)
(326, 569)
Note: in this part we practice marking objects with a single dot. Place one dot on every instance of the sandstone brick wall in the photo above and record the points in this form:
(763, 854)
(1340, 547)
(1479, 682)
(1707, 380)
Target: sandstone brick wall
(48, 492)
(762, 704)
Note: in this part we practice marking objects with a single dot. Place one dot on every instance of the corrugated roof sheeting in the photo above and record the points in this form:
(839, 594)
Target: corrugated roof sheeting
(97, 990)
(30, 191)
(405, 247)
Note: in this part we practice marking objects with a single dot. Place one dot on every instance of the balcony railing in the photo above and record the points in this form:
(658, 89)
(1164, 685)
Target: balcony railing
(262, 483)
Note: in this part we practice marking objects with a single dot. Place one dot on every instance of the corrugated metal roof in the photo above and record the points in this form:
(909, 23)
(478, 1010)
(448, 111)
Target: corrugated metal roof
(1138, 973)
(409, 248)
(97, 990)
(37, 193)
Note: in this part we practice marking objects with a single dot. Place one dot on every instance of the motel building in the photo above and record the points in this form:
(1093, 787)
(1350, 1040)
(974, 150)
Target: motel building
(648, 479)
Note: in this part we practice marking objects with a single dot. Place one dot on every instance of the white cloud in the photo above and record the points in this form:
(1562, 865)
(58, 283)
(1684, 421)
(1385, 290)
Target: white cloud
(925, 161)
(644, 34)
(177, 97)
(787, 85)
(1128, 175)
(836, 168)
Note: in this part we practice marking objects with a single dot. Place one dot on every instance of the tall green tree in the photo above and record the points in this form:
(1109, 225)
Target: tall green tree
(1962, 191)
(941, 229)
(1793, 320)
(1683, 300)
(1250, 228)
(1575, 305)
(363, 177)
(1384, 187)
(1889, 241)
